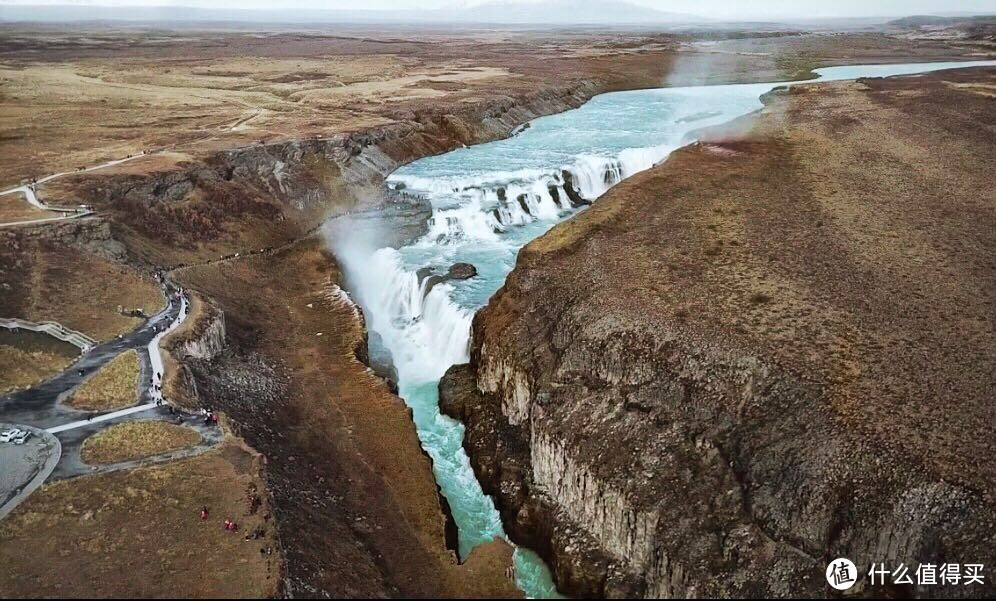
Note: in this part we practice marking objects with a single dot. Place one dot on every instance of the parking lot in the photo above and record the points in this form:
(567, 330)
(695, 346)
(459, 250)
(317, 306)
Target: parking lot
(24, 463)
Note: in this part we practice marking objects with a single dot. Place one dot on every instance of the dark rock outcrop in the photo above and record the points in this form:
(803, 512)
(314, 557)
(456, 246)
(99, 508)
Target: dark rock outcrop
(461, 271)
(457, 271)
(571, 190)
(204, 338)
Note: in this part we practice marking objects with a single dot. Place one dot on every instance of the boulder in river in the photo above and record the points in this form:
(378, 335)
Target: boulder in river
(457, 271)
(461, 271)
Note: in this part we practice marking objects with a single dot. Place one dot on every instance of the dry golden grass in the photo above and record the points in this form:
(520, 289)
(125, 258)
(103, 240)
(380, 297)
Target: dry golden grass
(113, 387)
(21, 368)
(14, 208)
(84, 291)
(138, 533)
(136, 440)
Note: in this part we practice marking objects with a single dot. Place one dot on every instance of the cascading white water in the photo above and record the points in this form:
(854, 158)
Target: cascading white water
(427, 331)
(483, 215)
(480, 208)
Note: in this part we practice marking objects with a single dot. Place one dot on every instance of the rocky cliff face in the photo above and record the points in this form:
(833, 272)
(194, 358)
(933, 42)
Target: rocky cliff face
(686, 391)
(204, 338)
(200, 338)
(278, 190)
(89, 235)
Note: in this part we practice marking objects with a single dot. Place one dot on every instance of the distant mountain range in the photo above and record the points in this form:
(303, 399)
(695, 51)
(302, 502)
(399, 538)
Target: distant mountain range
(550, 12)
(933, 20)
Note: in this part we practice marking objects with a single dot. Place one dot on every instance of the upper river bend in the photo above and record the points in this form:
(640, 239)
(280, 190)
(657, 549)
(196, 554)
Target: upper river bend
(490, 200)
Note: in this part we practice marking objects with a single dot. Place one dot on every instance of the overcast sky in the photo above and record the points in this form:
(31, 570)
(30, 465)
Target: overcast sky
(708, 8)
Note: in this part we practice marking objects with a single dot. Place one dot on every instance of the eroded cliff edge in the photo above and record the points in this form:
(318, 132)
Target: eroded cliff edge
(773, 350)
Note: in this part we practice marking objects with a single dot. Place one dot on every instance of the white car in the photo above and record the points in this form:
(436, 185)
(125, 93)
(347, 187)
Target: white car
(9, 435)
(22, 438)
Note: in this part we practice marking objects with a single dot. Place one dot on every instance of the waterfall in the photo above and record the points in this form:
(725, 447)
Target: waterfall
(425, 332)
(482, 206)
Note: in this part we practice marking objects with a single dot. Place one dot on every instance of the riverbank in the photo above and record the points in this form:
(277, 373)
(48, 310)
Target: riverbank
(747, 385)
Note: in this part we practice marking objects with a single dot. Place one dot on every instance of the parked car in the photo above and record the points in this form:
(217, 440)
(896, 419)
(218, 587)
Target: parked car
(22, 438)
(9, 435)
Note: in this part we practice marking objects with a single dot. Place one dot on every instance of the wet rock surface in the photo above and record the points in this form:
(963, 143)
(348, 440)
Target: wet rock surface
(461, 271)
(772, 350)
(380, 360)
(457, 271)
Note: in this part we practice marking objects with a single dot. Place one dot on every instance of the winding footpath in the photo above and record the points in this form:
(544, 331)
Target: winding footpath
(156, 362)
(29, 191)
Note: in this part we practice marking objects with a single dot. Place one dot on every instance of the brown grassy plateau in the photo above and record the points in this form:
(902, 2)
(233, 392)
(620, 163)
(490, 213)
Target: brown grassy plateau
(138, 533)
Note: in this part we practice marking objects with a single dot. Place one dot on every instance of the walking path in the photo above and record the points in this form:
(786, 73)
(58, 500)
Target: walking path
(100, 418)
(46, 220)
(72, 465)
(28, 190)
(155, 354)
(110, 163)
(52, 328)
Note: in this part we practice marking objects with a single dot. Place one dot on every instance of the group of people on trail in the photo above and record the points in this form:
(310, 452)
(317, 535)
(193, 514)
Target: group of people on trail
(210, 417)
(231, 526)
(257, 533)
(228, 524)
(157, 388)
